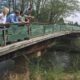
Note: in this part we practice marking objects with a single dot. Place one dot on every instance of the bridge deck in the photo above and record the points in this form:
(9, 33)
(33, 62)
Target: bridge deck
(19, 45)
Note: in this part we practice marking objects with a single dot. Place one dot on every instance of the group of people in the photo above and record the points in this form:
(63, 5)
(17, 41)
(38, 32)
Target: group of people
(14, 17)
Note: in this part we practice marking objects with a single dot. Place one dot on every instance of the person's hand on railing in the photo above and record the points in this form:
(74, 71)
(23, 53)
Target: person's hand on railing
(5, 25)
(21, 23)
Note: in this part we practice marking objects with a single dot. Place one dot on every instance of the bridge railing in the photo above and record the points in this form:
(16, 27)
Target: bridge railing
(10, 33)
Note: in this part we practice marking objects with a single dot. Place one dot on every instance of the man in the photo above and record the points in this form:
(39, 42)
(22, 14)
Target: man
(22, 17)
(13, 17)
(25, 18)
(3, 15)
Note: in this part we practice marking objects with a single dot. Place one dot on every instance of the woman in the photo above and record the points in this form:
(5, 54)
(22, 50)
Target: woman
(3, 19)
(3, 15)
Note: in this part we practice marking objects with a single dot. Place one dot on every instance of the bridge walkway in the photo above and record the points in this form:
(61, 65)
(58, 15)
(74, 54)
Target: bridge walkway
(33, 35)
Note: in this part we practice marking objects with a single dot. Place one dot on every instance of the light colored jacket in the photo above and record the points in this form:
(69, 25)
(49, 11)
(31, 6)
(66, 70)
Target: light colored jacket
(2, 18)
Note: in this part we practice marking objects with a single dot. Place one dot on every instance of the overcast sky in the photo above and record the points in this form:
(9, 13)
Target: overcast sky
(73, 18)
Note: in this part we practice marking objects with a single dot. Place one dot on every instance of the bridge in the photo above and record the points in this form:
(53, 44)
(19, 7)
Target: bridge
(19, 36)
(19, 42)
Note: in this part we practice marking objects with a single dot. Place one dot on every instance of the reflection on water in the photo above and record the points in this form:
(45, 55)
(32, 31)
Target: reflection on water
(63, 59)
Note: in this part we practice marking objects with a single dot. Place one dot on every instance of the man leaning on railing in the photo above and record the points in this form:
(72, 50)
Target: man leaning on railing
(13, 17)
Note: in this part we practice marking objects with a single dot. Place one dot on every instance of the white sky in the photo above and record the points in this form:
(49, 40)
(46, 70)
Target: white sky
(73, 18)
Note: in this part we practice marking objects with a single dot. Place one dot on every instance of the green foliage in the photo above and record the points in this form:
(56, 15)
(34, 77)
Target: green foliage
(50, 10)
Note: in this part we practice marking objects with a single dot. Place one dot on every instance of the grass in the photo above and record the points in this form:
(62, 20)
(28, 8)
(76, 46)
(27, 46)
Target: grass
(52, 75)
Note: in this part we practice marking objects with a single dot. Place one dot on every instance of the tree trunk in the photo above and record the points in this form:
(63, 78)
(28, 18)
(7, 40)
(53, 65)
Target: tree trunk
(37, 8)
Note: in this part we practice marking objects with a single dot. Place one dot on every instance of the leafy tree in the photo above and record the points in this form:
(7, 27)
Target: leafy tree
(50, 10)
(58, 8)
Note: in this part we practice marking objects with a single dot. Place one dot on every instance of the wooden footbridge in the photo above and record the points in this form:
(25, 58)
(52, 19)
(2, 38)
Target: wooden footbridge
(18, 36)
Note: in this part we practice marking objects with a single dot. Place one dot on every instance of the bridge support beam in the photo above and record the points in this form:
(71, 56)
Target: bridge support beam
(21, 68)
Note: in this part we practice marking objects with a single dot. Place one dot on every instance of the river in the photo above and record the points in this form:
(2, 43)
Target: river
(53, 62)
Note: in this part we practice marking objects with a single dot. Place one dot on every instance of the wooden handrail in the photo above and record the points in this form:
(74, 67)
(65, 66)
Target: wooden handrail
(8, 24)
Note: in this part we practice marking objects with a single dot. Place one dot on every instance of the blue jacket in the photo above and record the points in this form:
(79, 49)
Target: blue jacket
(12, 18)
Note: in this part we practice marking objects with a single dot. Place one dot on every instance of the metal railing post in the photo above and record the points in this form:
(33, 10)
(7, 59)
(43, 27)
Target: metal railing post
(53, 28)
(29, 31)
(4, 36)
(60, 27)
(43, 29)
